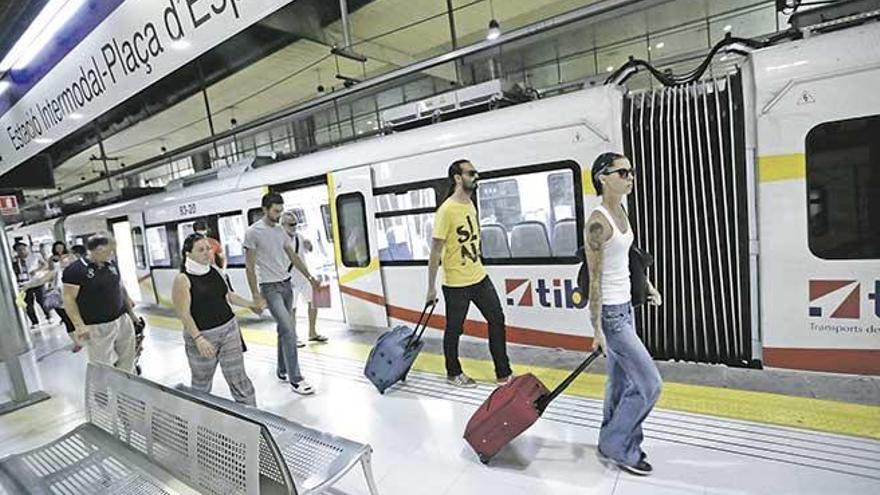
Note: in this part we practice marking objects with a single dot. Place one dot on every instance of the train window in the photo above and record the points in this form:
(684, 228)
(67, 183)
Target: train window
(405, 237)
(137, 239)
(184, 229)
(157, 245)
(231, 229)
(409, 200)
(529, 214)
(328, 223)
(353, 230)
(254, 214)
(843, 189)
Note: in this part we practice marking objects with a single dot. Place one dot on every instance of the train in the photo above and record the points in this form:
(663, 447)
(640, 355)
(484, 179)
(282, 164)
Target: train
(757, 193)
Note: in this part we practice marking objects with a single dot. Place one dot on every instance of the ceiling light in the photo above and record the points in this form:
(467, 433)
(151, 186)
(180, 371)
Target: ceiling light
(494, 30)
(727, 27)
(76, 116)
(723, 58)
(42, 140)
(660, 45)
(609, 68)
(51, 19)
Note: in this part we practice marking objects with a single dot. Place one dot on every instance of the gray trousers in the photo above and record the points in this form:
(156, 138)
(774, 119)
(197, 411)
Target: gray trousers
(112, 343)
(227, 341)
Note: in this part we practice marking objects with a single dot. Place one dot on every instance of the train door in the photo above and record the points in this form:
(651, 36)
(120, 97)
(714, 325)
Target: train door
(355, 246)
(125, 256)
(310, 204)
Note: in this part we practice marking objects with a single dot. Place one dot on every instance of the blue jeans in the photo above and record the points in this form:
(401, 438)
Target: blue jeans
(632, 389)
(279, 299)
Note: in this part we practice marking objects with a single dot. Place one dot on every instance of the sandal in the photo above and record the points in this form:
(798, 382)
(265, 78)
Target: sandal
(302, 388)
(300, 344)
(318, 338)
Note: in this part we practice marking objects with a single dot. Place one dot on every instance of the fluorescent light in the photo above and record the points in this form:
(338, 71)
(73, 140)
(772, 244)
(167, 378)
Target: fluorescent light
(50, 20)
(610, 68)
(494, 30)
(660, 45)
(4, 85)
(727, 27)
(76, 116)
(41, 140)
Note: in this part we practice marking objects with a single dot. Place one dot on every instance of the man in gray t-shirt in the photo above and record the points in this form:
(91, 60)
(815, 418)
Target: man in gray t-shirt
(268, 254)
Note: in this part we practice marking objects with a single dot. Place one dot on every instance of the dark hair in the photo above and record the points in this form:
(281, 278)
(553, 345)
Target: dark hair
(17, 244)
(200, 225)
(454, 169)
(63, 247)
(270, 199)
(188, 244)
(601, 164)
(96, 241)
(78, 250)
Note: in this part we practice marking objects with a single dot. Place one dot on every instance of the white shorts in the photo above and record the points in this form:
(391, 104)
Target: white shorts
(302, 290)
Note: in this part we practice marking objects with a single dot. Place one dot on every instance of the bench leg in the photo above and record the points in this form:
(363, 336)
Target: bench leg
(366, 463)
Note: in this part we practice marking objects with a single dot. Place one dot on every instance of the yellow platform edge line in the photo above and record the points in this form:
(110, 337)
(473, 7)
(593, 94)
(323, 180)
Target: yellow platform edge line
(761, 407)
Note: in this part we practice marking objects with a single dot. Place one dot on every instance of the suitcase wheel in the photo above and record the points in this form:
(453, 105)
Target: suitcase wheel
(484, 459)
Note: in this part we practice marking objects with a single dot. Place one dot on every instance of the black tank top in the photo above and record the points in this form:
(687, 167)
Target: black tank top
(208, 305)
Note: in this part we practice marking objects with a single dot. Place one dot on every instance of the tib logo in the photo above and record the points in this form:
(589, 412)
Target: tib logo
(836, 299)
(560, 293)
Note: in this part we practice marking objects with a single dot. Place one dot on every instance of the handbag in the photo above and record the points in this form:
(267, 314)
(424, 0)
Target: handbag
(53, 299)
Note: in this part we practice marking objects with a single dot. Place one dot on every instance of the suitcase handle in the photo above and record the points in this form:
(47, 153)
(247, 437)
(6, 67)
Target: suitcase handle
(545, 400)
(424, 324)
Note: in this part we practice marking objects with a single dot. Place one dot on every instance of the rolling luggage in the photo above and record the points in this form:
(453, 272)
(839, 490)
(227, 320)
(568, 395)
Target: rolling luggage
(395, 351)
(511, 409)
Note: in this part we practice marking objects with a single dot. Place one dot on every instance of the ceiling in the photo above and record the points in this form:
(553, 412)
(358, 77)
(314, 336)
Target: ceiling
(292, 73)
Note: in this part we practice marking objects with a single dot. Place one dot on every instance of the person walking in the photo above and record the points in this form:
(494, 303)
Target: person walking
(30, 270)
(456, 238)
(97, 303)
(211, 335)
(634, 383)
(302, 290)
(268, 254)
(54, 299)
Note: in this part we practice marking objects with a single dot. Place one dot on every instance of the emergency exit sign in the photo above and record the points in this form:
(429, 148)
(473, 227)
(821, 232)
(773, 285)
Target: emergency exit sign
(8, 205)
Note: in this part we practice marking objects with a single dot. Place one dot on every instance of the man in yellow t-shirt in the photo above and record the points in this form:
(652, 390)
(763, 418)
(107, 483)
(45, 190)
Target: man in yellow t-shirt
(457, 239)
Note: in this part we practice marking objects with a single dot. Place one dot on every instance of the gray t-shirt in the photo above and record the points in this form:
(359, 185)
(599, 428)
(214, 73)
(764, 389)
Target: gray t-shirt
(268, 242)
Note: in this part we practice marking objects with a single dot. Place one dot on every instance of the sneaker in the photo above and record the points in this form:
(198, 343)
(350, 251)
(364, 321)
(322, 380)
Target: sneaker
(641, 468)
(302, 387)
(282, 375)
(461, 381)
(504, 381)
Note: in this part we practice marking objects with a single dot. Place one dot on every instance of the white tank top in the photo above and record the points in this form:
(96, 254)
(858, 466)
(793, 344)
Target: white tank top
(615, 263)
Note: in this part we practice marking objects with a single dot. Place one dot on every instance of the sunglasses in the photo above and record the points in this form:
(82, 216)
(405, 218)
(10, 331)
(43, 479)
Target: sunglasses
(624, 173)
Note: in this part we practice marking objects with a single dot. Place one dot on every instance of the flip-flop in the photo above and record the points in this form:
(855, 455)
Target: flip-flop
(318, 338)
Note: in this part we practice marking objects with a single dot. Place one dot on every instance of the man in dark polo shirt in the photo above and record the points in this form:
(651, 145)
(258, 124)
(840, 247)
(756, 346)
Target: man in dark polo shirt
(99, 307)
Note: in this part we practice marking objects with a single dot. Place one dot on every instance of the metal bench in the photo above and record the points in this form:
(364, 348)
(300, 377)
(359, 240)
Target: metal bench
(316, 459)
(146, 439)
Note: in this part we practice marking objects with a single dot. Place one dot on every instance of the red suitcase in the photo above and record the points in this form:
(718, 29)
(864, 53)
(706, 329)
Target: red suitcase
(511, 409)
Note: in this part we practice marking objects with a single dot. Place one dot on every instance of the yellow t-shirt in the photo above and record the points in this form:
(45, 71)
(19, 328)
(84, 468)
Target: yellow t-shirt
(457, 224)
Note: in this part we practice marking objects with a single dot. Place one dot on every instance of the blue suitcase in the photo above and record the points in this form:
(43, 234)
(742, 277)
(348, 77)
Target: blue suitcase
(395, 351)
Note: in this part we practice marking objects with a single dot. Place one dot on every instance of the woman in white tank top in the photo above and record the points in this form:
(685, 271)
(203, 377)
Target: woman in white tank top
(633, 383)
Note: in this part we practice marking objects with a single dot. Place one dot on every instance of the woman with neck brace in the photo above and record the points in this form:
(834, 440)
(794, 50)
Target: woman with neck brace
(202, 301)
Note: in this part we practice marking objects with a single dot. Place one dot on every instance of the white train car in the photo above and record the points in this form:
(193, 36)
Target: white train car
(757, 194)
